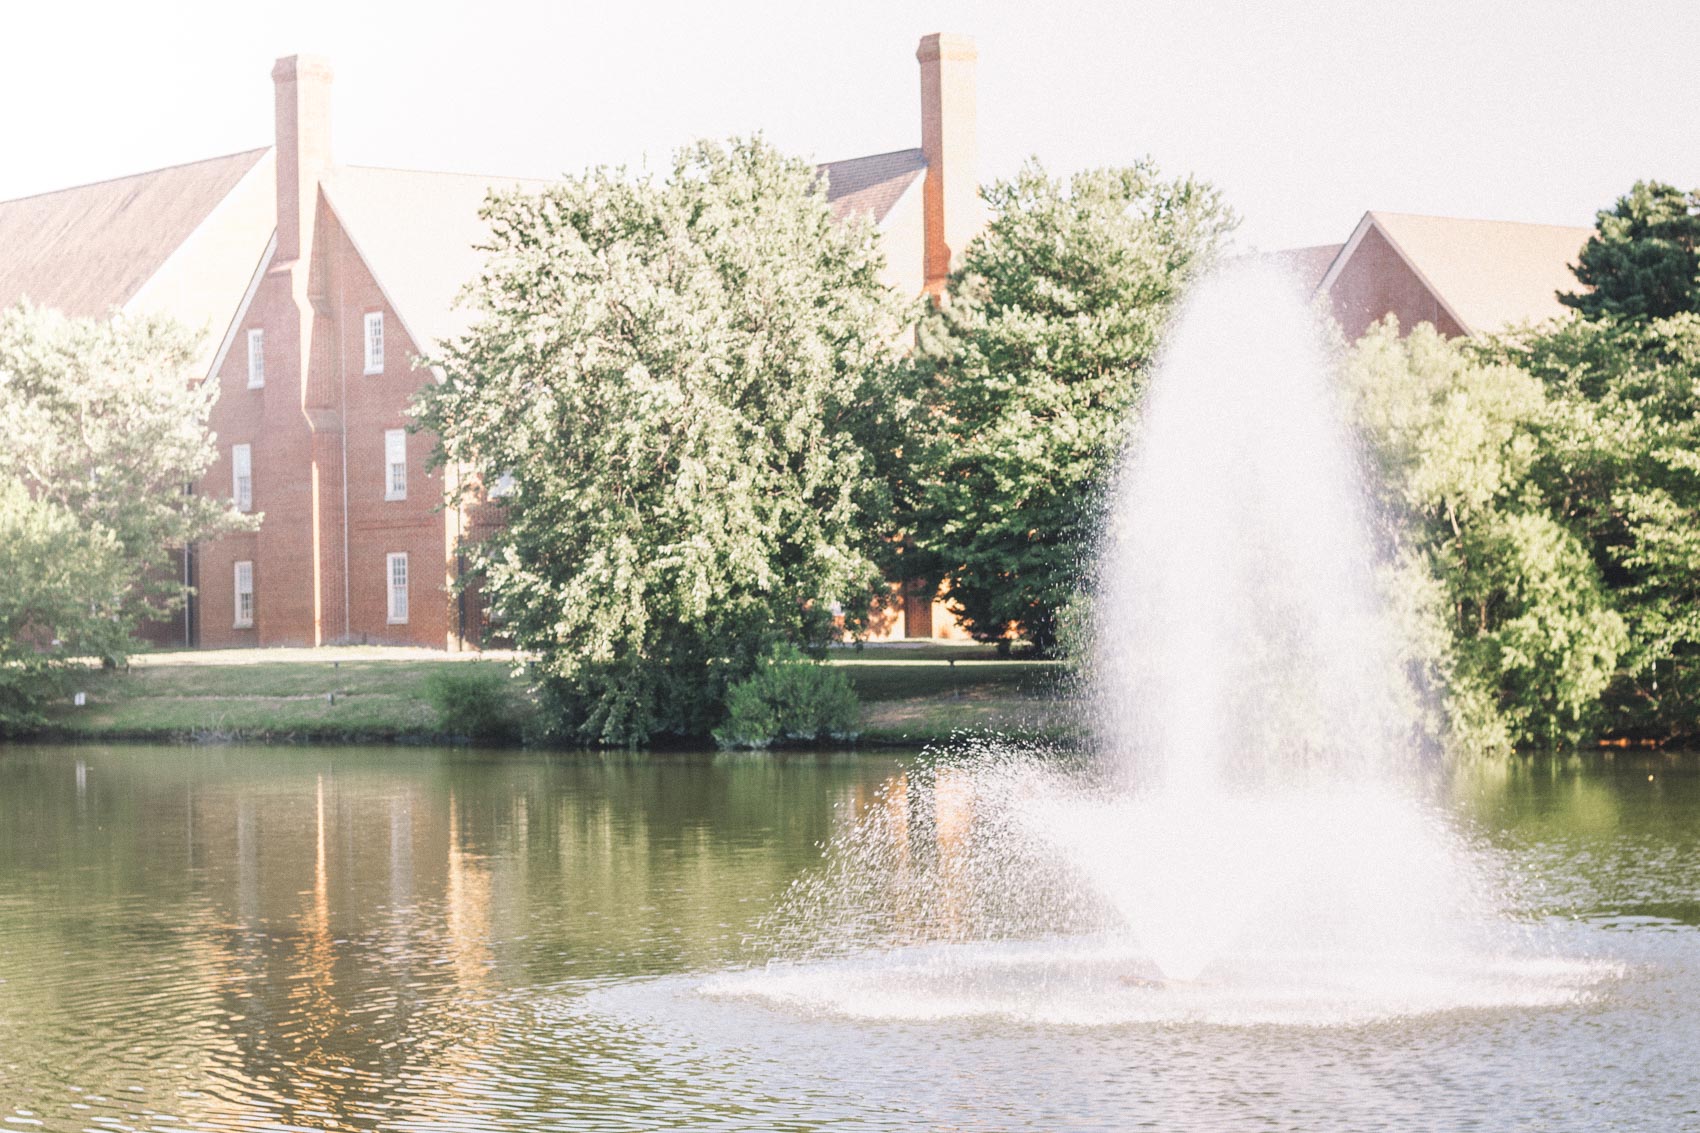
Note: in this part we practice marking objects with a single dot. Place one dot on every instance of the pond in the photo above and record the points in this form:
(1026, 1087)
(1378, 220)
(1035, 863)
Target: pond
(260, 938)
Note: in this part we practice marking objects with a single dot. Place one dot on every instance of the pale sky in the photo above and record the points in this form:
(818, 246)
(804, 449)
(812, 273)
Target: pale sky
(1305, 113)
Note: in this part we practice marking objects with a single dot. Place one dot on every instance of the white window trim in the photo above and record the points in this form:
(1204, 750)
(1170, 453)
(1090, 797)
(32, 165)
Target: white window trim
(242, 477)
(396, 618)
(256, 358)
(395, 444)
(374, 321)
(237, 620)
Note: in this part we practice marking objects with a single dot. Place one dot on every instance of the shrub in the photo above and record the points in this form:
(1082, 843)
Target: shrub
(479, 700)
(25, 690)
(790, 697)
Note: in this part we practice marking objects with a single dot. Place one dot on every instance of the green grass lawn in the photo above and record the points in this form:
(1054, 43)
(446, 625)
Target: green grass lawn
(922, 701)
(909, 694)
(330, 699)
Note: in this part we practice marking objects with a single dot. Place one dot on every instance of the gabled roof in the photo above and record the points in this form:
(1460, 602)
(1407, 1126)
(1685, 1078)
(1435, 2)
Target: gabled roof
(1489, 274)
(418, 234)
(90, 249)
(871, 184)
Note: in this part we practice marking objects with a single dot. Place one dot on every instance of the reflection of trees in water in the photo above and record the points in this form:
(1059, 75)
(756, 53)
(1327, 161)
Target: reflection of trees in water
(341, 932)
(1608, 833)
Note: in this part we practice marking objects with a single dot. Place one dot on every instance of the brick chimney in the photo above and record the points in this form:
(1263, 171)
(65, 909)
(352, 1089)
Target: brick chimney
(951, 192)
(303, 89)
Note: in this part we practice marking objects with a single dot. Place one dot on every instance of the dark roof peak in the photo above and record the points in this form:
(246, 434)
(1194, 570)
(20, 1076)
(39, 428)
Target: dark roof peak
(871, 184)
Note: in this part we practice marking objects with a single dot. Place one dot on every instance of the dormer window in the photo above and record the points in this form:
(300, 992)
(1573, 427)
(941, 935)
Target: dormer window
(256, 358)
(374, 340)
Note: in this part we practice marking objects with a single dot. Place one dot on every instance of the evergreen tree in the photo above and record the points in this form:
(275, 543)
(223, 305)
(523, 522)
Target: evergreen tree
(1643, 262)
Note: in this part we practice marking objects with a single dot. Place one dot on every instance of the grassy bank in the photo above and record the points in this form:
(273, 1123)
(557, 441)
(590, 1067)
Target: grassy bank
(909, 694)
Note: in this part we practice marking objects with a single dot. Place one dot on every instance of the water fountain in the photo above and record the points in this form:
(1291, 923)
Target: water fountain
(1252, 840)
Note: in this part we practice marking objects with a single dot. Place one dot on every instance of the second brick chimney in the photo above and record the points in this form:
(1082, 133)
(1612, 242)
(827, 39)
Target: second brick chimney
(302, 85)
(951, 192)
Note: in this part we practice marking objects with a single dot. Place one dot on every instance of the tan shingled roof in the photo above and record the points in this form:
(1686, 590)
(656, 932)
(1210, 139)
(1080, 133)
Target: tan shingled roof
(1490, 273)
(93, 248)
(871, 184)
(418, 234)
(89, 249)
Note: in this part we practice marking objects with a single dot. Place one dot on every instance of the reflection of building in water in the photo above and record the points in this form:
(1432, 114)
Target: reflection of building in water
(953, 819)
(466, 906)
(247, 865)
(314, 1006)
(896, 818)
(924, 834)
(953, 811)
(337, 939)
(401, 855)
(328, 994)
(461, 1067)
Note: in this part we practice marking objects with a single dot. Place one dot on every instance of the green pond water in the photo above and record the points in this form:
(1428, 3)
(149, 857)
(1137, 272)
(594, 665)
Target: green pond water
(312, 938)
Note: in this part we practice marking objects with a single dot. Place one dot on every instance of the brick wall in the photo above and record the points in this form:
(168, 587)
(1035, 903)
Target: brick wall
(1377, 280)
(302, 427)
(378, 526)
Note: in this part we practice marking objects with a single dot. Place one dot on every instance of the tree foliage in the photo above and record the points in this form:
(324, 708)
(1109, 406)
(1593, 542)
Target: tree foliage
(1643, 261)
(1549, 479)
(1506, 613)
(1624, 471)
(1029, 371)
(61, 590)
(691, 382)
(106, 418)
(105, 429)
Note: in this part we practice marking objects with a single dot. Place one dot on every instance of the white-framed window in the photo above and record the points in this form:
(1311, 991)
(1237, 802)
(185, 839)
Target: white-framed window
(395, 567)
(503, 487)
(374, 339)
(244, 595)
(395, 464)
(242, 477)
(256, 358)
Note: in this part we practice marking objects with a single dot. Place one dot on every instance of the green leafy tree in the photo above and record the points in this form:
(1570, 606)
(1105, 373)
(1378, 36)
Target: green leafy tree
(1624, 471)
(691, 382)
(105, 429)
(1505, 611)
(1643, 262)
(60, 600)
(1029, 372)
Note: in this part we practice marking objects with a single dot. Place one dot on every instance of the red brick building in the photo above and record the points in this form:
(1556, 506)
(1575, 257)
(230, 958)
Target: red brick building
(321, 285)
(1463, 276)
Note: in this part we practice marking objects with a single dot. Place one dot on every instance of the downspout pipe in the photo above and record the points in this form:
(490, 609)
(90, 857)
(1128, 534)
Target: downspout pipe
(342, 384)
